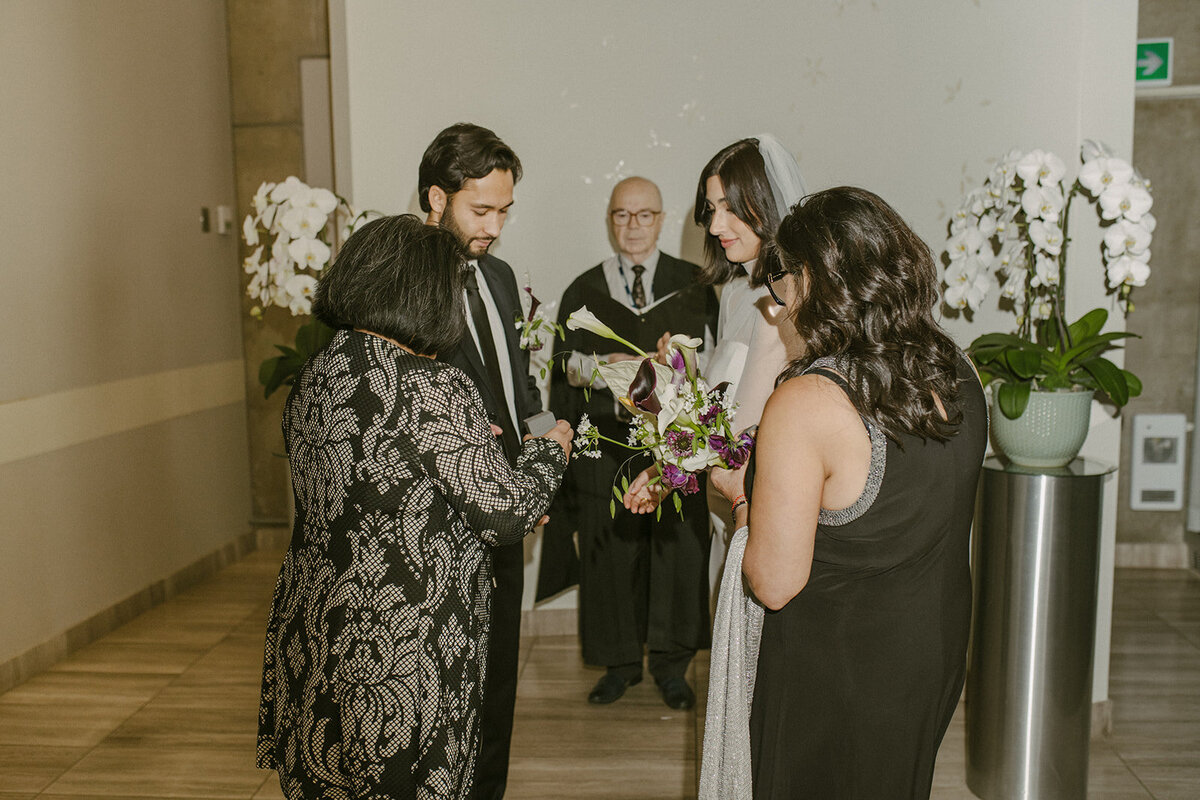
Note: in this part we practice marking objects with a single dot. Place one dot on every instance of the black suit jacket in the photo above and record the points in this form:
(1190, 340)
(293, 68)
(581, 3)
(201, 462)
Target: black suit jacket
(528, 400)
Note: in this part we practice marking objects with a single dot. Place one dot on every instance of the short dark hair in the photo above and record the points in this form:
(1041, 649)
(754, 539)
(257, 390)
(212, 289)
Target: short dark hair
(459, 153)
(400, 278)
(871, 290)
(743, 175)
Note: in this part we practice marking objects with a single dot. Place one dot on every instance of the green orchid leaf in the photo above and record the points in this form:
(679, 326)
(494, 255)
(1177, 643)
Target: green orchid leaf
(275, 372)
(617, 494)
(1095, 345)
(1110, 379)
(1013, 398)
(1023, 363)
(1000, 340)
(1133, 382)
(678, 502)
(612, 509)
(1088, 325)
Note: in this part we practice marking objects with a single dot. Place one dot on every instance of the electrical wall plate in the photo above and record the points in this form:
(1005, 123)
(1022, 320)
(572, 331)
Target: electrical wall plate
(1157, 462)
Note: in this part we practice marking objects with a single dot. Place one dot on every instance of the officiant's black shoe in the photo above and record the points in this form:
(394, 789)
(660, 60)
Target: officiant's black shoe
(677, 694)
(610, 688)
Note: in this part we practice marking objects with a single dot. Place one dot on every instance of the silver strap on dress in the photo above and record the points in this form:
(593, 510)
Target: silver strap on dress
(737, 630)
(783, 173)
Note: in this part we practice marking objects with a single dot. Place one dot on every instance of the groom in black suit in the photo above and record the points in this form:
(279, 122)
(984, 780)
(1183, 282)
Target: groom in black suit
(466, 184)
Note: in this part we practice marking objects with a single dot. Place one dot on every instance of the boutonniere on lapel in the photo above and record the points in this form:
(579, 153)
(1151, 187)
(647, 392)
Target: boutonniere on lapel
(537, 325)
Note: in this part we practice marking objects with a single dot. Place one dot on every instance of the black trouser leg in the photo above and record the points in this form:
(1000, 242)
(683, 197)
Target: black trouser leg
(500, 689)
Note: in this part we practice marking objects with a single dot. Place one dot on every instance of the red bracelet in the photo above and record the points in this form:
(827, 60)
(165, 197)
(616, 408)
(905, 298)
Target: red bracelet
(740, 500)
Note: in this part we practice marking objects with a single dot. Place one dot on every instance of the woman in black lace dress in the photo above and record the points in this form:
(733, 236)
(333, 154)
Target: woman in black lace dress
(859, 514)
(376, 643)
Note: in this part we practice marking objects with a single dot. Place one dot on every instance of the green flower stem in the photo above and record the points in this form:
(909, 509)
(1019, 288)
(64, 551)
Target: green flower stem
(1060, 294)
(614, 337)
(600, 436)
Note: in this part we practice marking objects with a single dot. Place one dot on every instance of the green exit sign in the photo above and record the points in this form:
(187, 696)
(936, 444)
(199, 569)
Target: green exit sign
(1154, 61)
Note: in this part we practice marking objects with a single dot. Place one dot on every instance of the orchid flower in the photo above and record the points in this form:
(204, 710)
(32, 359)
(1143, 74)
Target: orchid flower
(1098, 174)
(309, 253)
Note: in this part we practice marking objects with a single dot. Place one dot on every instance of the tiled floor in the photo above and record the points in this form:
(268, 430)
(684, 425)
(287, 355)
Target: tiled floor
(166, 707)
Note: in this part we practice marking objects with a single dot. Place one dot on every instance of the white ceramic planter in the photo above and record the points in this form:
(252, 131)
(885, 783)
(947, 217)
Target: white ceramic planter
(1051, 431)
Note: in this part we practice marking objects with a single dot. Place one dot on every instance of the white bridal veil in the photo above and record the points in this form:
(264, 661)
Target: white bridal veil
(783, 173)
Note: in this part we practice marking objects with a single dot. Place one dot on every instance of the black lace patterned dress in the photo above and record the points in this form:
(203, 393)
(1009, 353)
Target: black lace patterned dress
(376, 643)
(859, 674)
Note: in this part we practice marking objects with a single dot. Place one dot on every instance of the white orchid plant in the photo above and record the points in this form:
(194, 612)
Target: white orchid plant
(686, 425)
(1012, 233)
(292, 232)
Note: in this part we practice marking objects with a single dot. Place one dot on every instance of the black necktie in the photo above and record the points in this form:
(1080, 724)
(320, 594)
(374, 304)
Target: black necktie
(487, 347)
(638, 292)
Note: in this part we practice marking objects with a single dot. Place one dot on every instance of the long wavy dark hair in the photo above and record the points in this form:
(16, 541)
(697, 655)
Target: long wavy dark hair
(871, 290)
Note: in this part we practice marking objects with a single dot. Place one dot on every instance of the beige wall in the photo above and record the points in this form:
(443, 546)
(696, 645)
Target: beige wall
(1167, 150)
(267, 39)
(122, 422)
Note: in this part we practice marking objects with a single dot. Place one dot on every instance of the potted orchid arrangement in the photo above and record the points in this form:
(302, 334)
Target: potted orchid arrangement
(1012, 233)
(292, 232)
(686, 425)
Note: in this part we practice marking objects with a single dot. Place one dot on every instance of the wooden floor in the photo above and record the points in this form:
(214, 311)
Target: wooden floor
(166, 707)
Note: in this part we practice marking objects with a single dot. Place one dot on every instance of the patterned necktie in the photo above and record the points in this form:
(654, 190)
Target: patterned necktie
(638, 291)
(487, 348)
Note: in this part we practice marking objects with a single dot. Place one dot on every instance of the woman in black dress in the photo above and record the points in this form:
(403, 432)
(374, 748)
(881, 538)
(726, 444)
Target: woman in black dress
(861, 496)
(376, 643)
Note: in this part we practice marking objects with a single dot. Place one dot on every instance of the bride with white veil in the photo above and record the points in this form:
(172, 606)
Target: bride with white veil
(744, 192)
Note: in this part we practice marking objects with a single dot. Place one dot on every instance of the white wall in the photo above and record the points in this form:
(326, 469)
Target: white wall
(912, 100)
(122, 423)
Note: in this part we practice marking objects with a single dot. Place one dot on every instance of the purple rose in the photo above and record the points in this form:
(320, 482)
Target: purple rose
(691, 485)
(673, 477)
(720, 446)
(738, 454)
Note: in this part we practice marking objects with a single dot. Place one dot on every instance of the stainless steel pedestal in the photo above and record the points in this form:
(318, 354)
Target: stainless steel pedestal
(1029, 680)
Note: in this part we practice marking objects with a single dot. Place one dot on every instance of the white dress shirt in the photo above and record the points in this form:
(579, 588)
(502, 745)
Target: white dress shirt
(499, 338)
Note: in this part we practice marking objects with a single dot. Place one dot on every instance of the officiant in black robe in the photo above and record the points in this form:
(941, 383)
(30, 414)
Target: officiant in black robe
(643, 583)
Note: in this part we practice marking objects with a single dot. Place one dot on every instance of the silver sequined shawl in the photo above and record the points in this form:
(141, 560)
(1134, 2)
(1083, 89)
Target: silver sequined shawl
(725, 769)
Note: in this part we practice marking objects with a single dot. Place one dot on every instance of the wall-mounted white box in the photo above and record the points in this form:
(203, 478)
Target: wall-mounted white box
(1157, 462)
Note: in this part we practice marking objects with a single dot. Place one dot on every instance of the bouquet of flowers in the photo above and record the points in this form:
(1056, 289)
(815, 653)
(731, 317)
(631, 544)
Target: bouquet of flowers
(685, 424)
(293, 231)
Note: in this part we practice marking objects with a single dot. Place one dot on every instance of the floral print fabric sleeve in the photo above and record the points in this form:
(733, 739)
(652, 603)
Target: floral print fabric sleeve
(499, 503)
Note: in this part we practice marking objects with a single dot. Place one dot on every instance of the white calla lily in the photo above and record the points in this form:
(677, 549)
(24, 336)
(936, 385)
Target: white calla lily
(583, 319)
